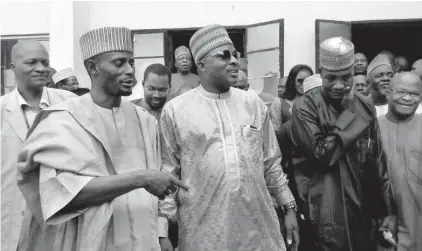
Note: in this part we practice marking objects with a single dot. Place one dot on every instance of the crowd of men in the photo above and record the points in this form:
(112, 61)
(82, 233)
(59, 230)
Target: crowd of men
(203, 163)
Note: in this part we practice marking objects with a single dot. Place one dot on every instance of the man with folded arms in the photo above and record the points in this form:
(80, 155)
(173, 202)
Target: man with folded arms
(339, 166)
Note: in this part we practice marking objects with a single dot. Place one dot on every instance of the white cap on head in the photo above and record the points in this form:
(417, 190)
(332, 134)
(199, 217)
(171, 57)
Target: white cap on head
(107, 39)
(63, 74)
(312, 82)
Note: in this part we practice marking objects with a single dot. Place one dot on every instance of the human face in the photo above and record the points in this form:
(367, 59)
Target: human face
(361, 63)
(31, 66)
(417, 68)
(282, 86)
(336, 84)
(184, 63)
(156, 89)
(405, 97)
(69, 84)
(401, 64)
(380, 79)
(116, 73)
(300, 77)
(221, 68)
(361, 84)
(242, 81)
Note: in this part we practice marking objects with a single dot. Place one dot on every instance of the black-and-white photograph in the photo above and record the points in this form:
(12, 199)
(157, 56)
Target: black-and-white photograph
(211, 125)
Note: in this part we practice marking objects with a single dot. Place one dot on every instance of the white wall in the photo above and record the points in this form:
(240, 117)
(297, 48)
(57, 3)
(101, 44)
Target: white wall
(24, 17)
(299, 18)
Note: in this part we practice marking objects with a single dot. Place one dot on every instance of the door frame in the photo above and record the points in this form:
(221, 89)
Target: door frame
(280, 41)
(317, 42)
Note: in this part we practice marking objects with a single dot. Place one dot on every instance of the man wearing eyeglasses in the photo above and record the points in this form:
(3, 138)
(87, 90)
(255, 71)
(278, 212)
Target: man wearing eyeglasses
(220, 141)
(401, 131)
(156, 84)
(66, 80)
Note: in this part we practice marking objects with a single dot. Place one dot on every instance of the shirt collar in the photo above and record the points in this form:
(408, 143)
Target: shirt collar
(211, 95)
(44, 102)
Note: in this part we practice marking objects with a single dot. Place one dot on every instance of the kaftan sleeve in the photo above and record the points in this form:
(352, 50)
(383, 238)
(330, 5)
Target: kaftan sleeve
(275, 178)
(326, 147)
(276, 116)
(170, 153)
(57, 160)
(382, 179)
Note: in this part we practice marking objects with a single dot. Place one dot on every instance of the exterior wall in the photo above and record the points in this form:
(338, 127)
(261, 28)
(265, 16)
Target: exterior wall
(24, 17)
(299, 20)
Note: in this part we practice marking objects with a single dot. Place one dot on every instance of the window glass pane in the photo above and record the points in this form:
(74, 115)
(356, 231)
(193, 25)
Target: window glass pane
(149, 45)
(140, 66)
(261, 63)
(263, 37)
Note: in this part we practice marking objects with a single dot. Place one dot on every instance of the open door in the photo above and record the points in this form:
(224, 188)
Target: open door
(265, 55)
(325, 29)
(149, 48)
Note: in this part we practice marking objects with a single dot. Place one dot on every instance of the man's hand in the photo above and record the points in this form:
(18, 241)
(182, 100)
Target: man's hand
(160, 183)
(348, 96)
(165, 244)
(292, 230)
(389, 224)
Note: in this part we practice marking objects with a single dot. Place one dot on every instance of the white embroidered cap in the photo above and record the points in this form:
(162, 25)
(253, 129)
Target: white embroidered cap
(63, 74)
(107, 39)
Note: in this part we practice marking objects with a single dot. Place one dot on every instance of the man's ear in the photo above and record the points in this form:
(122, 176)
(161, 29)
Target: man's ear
(91, 67)
(201, 66)
(12, 66)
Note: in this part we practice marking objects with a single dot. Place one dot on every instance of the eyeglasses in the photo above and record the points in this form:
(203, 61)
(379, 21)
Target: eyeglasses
(160, 92)
(225, 54)
(401, 94)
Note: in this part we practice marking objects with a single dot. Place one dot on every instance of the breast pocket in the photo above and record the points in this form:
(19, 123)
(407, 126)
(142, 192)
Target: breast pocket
(252, 146)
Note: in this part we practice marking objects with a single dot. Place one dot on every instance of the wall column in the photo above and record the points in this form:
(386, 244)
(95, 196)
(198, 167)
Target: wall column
(61, 34)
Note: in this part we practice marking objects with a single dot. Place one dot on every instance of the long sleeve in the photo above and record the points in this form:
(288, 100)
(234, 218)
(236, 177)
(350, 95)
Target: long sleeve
(275, 178)
(325, 146)
(51, 171)
(378, 160)
(276, 116)
(170, 153)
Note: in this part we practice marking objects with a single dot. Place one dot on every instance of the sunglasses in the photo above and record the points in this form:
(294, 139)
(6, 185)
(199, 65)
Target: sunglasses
(225, 54)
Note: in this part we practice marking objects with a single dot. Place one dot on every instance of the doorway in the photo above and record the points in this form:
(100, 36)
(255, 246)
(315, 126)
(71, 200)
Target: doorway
(401, 37)
(176, 38)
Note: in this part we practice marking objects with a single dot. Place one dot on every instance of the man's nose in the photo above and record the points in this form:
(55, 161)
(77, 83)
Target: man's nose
(130, 70)
(40, 67)
(338, 84)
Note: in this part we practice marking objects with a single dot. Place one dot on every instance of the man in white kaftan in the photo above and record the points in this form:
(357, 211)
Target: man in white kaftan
(89, 168)
(221, 142)
(401, 131)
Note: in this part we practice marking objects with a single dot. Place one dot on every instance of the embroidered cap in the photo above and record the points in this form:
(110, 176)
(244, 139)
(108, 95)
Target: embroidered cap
(63, 74)
(336, 54)
(380, 59)
(311, 82)
(181, 50)
(104, 40)
(207, 39)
